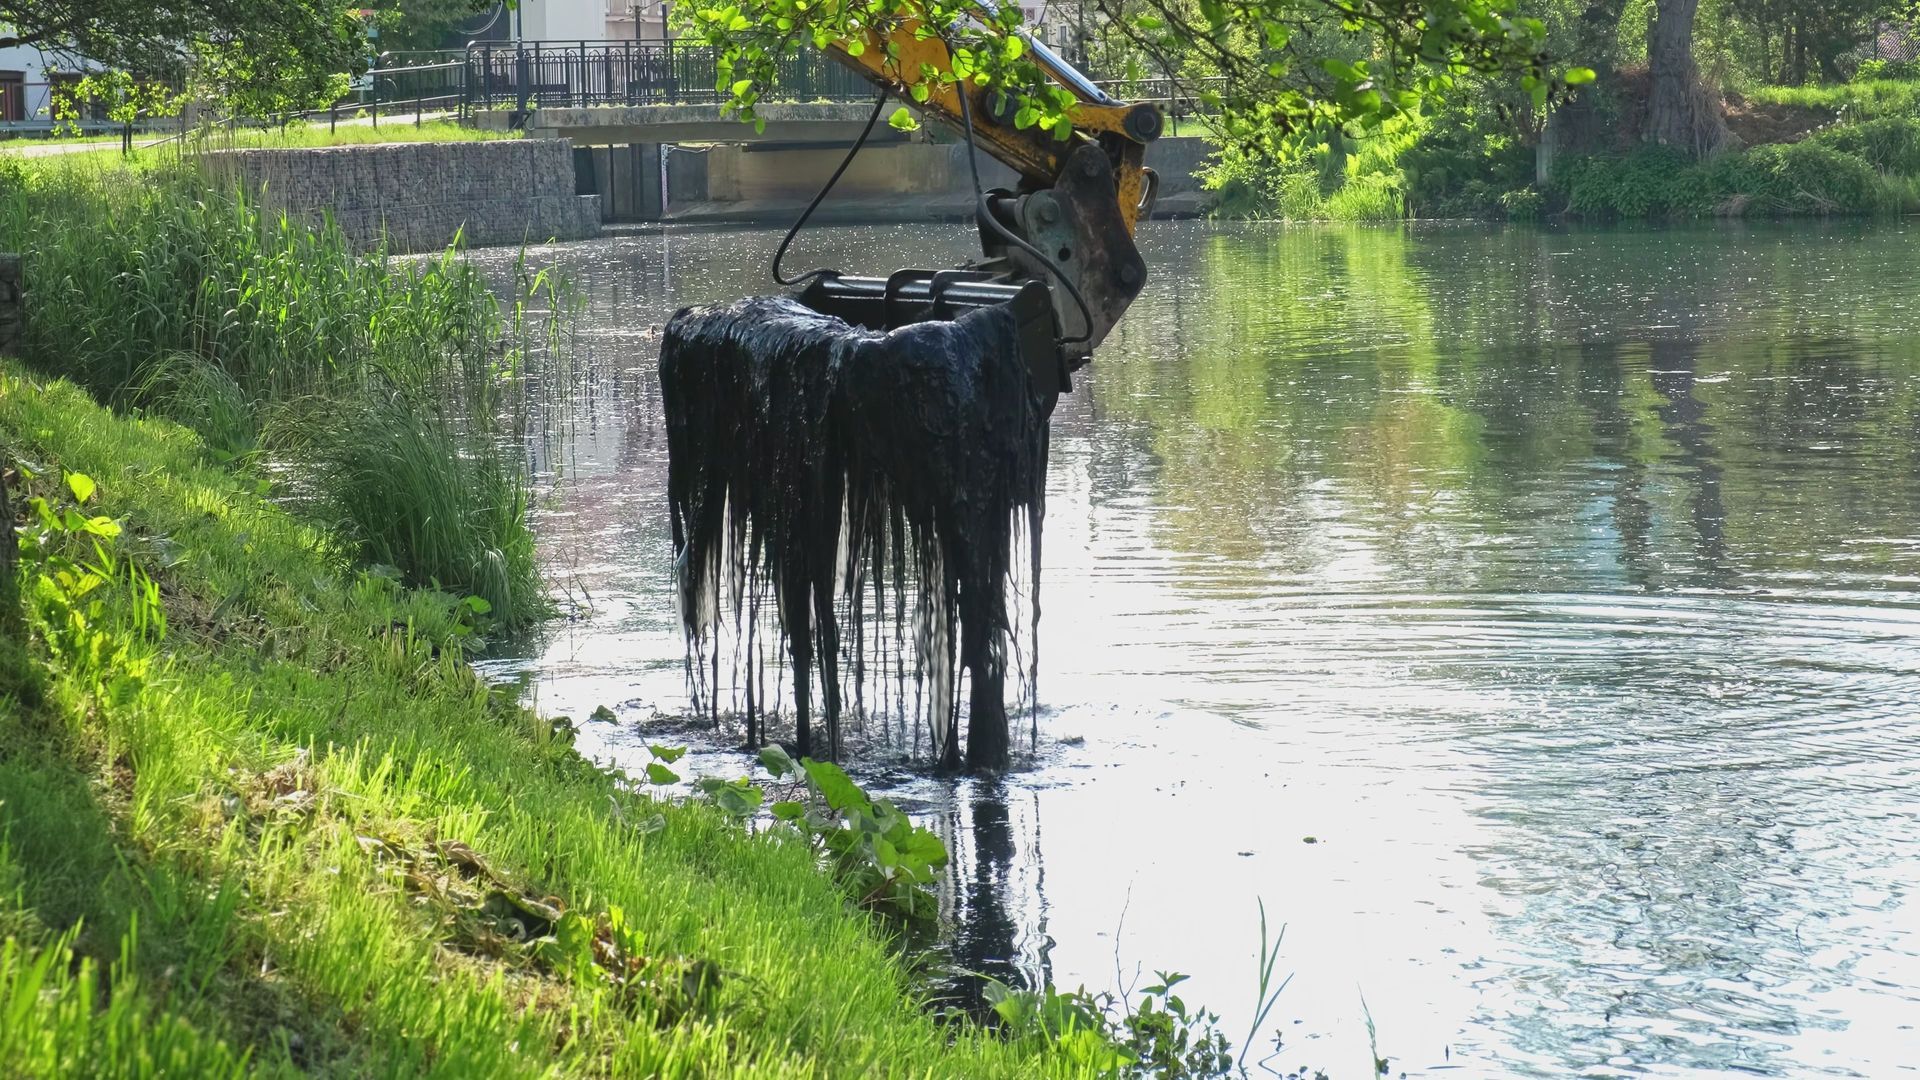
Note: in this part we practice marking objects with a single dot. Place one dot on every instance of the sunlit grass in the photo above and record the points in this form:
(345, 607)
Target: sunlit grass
(233, 829)
(351, 131)
(155, 291)
(1853, 101)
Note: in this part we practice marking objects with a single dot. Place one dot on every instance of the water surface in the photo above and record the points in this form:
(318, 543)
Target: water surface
(1530, 618)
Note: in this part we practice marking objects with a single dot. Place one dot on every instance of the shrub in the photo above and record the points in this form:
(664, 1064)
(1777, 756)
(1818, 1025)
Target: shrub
(1890, 144)
(1875, 70)
(1812, 178)
(1522, 204)
(1653, 181)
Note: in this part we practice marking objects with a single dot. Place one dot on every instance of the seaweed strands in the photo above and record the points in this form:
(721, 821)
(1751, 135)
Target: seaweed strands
(818, 462)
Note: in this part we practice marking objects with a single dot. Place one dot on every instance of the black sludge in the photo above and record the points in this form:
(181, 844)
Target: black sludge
(824, 465)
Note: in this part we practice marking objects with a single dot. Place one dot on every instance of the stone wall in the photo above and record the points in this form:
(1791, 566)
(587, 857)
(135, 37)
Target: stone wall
(418, 195)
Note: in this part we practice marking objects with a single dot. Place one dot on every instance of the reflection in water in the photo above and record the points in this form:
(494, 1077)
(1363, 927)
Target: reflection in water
(1562, 587)
(1603, 388)
(1673, 376)
(994, 900)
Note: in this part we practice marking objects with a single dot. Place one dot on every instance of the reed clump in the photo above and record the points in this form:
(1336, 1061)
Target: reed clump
(372, 377)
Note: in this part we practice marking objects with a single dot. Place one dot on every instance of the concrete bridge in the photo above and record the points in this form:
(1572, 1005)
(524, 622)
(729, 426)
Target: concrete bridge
(645, 120)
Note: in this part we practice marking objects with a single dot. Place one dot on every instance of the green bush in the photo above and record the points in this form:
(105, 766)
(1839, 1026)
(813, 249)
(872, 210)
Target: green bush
(1653, 181)
(1877, 70)
(1522, 204)
(1890, 144)
(1466, 157)
(1809, 177)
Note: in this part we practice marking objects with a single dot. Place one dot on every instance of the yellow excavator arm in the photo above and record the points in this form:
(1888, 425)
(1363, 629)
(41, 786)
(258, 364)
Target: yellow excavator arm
(1123, 129)
(1059, 249)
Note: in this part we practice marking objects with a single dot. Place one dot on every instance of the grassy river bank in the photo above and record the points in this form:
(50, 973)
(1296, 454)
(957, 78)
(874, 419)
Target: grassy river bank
(263, 817)
(257, 814)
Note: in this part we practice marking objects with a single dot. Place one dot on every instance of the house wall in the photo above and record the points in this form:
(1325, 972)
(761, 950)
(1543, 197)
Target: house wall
(32, 65)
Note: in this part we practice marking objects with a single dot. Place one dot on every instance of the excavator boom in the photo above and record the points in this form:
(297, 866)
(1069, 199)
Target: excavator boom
(1059, 249)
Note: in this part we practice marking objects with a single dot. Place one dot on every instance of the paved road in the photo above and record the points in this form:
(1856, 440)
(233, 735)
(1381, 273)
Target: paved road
(34, 148)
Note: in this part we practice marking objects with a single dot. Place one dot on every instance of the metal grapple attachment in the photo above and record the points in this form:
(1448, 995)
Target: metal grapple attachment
(1082, 241)
(911, 296)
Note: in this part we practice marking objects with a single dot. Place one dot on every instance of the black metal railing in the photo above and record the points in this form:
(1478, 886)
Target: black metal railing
(535, 74)
(567, 74)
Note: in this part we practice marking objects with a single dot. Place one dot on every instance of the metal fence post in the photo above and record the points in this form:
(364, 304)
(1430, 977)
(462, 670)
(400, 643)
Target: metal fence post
(520, 76)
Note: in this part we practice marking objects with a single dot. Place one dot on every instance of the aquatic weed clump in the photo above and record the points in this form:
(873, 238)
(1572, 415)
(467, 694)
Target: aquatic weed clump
(821, 465)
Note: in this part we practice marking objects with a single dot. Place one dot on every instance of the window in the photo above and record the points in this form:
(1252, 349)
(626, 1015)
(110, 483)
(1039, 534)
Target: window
(13, 96)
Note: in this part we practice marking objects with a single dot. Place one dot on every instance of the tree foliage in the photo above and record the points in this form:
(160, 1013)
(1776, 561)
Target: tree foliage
(1271, 71)
(429, 24)
(258, 55)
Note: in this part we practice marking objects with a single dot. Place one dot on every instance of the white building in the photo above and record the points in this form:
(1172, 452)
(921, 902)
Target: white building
(28, 79)
(638, 20)
(1055, 23)
(588, 20)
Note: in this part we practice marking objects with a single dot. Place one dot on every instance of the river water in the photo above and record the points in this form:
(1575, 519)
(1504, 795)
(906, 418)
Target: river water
(1530, 618)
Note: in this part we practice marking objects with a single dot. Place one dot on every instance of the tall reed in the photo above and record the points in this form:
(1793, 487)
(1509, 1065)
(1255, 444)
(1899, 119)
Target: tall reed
(155, 289)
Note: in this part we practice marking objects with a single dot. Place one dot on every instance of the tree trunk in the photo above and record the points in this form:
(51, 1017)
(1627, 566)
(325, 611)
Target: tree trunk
(1681, 113)
(1582, 125)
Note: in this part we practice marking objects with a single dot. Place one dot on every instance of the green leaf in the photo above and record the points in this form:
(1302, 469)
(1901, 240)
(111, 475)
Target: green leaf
(788, 810)
(478, 605)
(902, 120)
(1579, 75)
(775, 760)
(738, 799)
(840, 792)
(81, 485)
(920, 92)
(667, 754)
(741, 86)
(922, 847)
(102, 526)
(855, 46)
(660, 774)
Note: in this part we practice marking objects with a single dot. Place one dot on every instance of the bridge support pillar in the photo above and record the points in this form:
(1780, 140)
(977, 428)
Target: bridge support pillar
(627, 178)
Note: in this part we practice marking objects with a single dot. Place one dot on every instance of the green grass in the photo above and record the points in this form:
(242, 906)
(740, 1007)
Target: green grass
(264, 335)
(1851, 101)
(288, 827)
(315, 133)
(352, 129)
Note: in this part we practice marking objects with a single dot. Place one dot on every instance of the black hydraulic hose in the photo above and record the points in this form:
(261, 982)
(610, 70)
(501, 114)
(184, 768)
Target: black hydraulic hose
(986, 215)
(822, 271)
